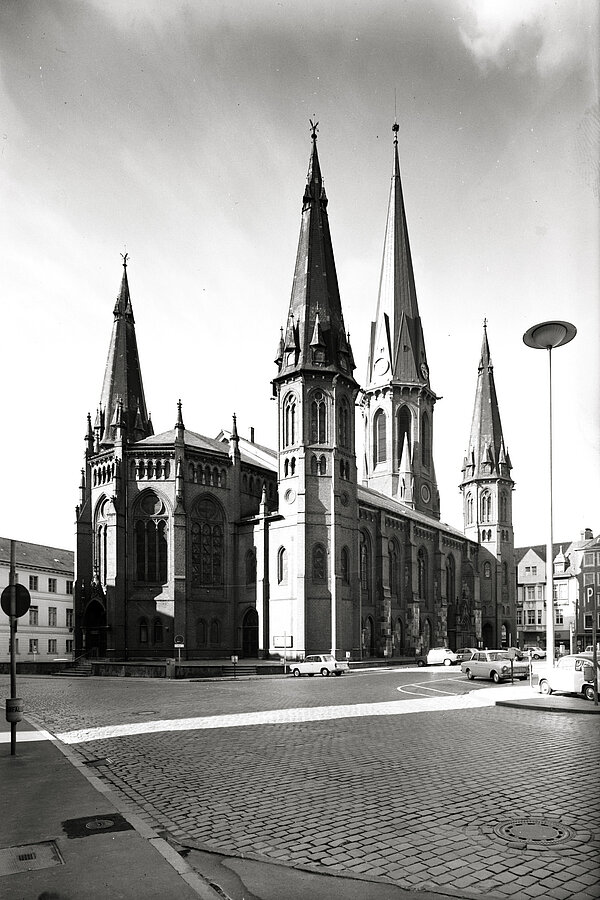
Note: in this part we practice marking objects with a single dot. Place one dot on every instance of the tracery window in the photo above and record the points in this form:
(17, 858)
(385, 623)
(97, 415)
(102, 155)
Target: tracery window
(319, 563)
(318, 418)
(100, 541)
(345, 565)
(151, 545)
(365, 565)
(379, 437)
(207, 543)
(289, 421)
(486, 507)
(251, 567)
(469, 509)
(487, 570)
(450, 579)
(503, 508)
(393, 568)
(344, 423)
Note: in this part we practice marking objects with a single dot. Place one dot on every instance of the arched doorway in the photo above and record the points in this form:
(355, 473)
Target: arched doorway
(250, 634)
(94, 628)
(368, 637)
(487, 634)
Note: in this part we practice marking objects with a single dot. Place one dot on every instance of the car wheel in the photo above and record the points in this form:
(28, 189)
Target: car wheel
(495, 678)
(588, 692)
(447, 662)
(296, 673)
(338, 674)
(470, 675)
(324, 672)
(420, 662)
(544, 687)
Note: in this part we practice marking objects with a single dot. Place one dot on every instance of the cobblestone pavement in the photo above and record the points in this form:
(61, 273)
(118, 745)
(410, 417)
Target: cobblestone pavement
(478, 800)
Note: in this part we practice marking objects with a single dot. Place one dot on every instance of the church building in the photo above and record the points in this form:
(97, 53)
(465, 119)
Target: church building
(230, 547)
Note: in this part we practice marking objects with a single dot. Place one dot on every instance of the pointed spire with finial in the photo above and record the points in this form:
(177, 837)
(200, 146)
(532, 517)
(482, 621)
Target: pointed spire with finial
(234, 443)
(179, 426)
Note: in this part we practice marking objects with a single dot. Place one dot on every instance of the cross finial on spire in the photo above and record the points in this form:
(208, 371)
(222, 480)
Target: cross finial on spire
(485, 324)
(314, 129)
(125, 257)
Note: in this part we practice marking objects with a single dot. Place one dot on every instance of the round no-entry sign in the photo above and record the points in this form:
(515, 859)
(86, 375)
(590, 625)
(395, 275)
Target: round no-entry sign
(22, 600)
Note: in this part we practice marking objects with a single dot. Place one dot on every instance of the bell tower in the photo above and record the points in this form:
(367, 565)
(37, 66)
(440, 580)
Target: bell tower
(316, 391)
(398, 400)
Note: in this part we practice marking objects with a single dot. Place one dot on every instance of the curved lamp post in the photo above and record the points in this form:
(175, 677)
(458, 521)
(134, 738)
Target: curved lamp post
(548, 336)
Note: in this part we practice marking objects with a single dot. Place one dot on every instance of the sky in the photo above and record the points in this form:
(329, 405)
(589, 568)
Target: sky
(179, 133)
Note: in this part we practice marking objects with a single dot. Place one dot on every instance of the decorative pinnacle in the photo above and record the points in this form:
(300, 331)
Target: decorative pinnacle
(314, 129)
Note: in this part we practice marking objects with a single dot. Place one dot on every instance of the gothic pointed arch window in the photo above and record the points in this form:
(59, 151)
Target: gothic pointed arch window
(319, 563)
(207, 542)
(290, 414)
(344, 423)
(345, 565)
(503, 507)
(157, 632)
(469, 505)
(318, 418)
(365, 565)
(404, 431)
(379, 437)
(151, 539)
(487, 570)
(394, 568)
(425, 440)
(101, 540)
(143, 631)
(251, 566)
(282, 566)
(486, 506)
(422, 572)
(201, 633)
(450, 579)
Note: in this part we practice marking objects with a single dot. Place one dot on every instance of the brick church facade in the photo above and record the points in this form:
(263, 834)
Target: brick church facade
(237, 548)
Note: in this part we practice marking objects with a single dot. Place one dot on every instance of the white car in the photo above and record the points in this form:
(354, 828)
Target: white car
(441, 656)
(319, 664)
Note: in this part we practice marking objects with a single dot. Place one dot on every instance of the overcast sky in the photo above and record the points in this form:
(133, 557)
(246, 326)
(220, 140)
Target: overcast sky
(178, 131)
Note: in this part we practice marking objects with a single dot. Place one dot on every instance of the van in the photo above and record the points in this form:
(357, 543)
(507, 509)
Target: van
(573, 674)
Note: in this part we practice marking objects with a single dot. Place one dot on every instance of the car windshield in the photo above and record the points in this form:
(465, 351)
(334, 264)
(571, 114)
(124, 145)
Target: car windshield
(495, 656)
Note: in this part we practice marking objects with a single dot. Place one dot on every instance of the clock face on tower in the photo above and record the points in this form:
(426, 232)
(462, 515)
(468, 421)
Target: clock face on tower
(381, 366)
(424, 371)
(425, 493)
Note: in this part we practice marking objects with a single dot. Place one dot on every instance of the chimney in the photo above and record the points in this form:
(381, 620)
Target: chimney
(251, 434)
(588, 534)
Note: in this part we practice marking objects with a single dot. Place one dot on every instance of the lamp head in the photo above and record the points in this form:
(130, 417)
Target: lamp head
(549, 335)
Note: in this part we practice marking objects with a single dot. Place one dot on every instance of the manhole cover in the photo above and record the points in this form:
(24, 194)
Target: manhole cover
(99, 824)
(533, 832)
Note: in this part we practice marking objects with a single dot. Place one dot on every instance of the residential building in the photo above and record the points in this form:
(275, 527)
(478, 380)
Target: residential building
(589, 579)
(46, 631)
(232, 547)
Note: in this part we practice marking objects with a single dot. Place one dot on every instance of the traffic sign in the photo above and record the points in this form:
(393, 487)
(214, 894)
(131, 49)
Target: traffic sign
(179, 642)
(22, 600)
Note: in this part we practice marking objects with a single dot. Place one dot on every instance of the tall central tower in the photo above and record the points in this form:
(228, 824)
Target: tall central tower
(398, 400)
(316, 392)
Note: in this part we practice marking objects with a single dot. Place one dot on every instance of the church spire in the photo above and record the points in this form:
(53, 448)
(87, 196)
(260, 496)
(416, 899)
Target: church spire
(315, 337)
(123, 377)
(397, 350)
(487, 455)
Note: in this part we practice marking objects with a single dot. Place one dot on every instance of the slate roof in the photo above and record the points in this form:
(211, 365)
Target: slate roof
(37, 556)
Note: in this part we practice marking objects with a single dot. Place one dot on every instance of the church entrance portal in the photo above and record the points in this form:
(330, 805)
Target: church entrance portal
(250, 634)
(94, 629)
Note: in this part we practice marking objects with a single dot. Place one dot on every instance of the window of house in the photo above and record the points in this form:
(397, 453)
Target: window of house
(539, 616)
(52, 616)
(69, 645)
(69, 586)
(33, 615)
(534, 570)
(52, 585)
(33, 582)
(530, 592)
(558, 617)
(540, 591)
(528, 570)
(33, 645)
(530, 616)
(588, 578)
(318, 418)
(282, 566)
(52, 645)
(207, 543)
(69, 618)
(379, 437)
(588, 558)
(519, 617)
(588, 621)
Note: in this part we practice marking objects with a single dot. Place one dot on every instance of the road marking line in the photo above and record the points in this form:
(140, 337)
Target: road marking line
(26, 736)
(476, 699)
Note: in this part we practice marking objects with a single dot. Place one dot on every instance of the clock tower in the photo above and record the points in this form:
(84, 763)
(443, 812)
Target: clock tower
(398, 400)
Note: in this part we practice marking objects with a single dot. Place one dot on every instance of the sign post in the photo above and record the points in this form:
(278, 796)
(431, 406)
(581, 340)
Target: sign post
(234, 660)
(179, 645)
(15, 602)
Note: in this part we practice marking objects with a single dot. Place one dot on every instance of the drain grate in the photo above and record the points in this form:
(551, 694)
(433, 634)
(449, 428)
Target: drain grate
(534, 833)
(28, 857)
(77, 828)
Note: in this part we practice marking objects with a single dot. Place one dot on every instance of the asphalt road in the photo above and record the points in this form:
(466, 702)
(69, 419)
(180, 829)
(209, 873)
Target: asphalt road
(412, 778)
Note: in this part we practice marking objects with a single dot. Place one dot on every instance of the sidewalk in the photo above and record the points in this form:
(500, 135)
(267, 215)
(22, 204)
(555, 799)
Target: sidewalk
(65, 836)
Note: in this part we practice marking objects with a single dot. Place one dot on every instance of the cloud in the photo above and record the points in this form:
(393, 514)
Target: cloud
(529, 34)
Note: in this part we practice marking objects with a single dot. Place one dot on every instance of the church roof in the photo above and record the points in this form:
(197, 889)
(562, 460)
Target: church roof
(397, 350)
(37, 556)
(253, 454)
(381, 501)
(315, 337)
(122, 384)
(487, 455)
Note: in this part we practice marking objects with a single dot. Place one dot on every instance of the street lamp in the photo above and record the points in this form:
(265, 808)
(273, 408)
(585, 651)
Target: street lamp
(548, 336)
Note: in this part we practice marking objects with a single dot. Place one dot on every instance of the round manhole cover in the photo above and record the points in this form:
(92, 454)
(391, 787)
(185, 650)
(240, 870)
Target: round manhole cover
(99, 824)
(534, 831)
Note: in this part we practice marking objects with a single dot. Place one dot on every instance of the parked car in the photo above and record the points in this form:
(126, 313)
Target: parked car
(536, 652)
(573, 674)
(319, 663)
(494, 664)
(465, 653)
(518, 654)
(438, 656)
(590, 648)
